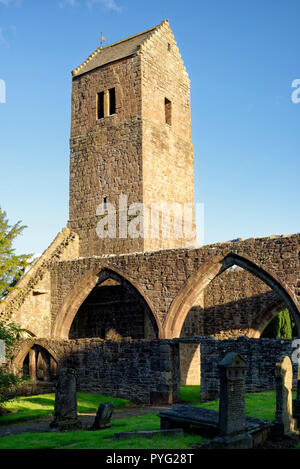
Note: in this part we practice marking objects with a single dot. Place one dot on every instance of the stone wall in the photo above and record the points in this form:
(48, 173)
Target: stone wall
(109, 310)
(132, 152)
(105, 154)
(261, 356)
(29, 304)
(168, 160)
(171, 280)
(150, 371)
(190, 364)
(142, 371)
(232, 302)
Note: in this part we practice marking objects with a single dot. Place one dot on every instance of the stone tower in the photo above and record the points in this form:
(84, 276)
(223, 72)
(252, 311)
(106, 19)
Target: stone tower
(131, 144)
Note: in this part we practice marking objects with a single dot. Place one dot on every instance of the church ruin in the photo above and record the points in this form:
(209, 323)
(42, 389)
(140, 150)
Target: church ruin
(121, 308)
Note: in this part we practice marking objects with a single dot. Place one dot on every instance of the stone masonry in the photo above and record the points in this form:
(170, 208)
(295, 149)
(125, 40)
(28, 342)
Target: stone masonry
(131, 135)
(132, 152)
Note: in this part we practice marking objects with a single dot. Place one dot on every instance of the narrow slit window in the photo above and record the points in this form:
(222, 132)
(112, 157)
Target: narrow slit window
(168, 111)
(112, 101)
(100, 105)
(105, 203)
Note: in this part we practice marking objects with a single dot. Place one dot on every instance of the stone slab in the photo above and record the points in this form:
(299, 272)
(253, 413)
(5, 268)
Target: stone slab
(148, 434)
(205, 419)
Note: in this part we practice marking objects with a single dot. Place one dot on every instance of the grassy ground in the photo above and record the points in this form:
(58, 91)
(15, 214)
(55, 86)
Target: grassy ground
(102, 439)
(261, 405)
(31, 407)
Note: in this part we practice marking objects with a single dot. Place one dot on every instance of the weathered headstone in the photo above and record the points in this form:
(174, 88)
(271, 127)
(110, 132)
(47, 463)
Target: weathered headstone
(65, 409)
(284, 422)
(232, 418)
(103, 416)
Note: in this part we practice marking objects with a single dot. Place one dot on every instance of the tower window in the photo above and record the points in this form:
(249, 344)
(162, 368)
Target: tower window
(105, 203)
(169, 47)
(100, 105)
(112, 101)
(168, 111)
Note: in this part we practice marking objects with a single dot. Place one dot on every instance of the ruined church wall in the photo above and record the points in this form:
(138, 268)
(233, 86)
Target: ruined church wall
(141, 371)
(29, 305)
(261, 356)
(160, 275)
(148, 371)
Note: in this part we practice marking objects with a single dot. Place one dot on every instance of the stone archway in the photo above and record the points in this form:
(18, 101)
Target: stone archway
(208, 271)
(263, 319)
(82, 290)
(42, 361)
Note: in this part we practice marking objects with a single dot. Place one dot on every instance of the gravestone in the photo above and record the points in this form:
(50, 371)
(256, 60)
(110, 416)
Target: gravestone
(65, 408)
(232, 418)
(103, 416)
(284, 421)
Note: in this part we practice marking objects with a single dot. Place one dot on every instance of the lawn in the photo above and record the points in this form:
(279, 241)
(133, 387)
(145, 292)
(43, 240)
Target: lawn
(102, 439)
(260, 405)
(31, 407)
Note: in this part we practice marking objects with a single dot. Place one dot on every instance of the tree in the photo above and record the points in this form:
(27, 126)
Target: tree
(12, 266)
(10, 334)
(281, 326)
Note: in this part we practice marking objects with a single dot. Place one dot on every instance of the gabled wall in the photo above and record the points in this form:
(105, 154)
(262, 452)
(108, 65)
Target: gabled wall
(29, 304)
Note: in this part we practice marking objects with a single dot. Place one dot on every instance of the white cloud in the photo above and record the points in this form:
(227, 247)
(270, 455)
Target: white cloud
(107, 4)
(3, 41)
(7, 31)
(69, 3)
(9, 3)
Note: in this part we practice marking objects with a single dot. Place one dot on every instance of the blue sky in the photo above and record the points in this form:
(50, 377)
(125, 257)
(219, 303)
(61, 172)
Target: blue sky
(242, 57)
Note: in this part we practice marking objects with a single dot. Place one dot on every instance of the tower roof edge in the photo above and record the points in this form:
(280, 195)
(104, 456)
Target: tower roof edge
(115, 51)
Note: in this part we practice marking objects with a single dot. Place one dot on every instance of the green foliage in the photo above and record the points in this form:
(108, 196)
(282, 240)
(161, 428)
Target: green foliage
(10, 333)
(8, 381)
(281, 326)
(12, 267)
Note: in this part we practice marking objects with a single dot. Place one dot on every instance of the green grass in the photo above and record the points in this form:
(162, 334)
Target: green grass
(31, 407)
(190, 393)
(102, 439)
(261, 405)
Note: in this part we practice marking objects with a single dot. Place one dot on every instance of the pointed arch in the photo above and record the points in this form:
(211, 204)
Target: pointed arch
(263, 319)
(84, 287)
(207, 272)
(18, 360)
